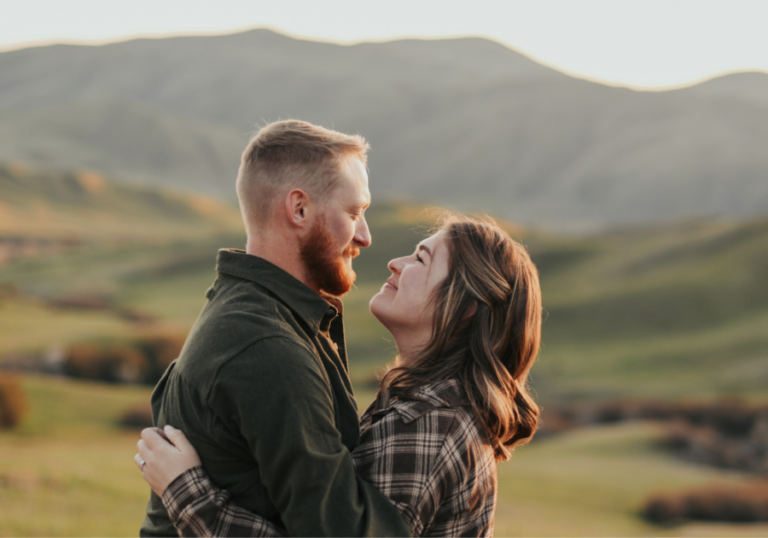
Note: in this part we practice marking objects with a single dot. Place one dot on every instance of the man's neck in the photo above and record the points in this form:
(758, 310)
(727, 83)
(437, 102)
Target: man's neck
(283, 252)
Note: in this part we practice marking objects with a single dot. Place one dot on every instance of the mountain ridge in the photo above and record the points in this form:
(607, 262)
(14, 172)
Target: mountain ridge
(468, 123)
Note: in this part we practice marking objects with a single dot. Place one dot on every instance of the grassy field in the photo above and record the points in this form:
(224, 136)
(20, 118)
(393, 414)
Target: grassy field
(592, 482)
(68, 471)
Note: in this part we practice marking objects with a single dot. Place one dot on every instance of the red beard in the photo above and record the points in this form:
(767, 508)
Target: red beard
(324, 266)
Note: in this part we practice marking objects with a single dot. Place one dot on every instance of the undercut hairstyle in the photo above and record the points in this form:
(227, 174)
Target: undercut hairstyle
(489, 352)
(291, 154)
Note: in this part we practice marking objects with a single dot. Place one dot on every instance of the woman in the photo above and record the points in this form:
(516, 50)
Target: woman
(465, 313)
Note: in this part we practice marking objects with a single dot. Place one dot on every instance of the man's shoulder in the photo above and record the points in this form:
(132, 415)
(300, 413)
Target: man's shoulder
(241, 301)
(241, 314)
(276, 352)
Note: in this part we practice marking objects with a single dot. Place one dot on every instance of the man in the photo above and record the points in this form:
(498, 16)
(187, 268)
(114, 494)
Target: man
(261, 387)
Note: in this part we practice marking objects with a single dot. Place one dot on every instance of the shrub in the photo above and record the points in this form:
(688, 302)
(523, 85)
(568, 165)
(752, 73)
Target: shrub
(160, 350)
(664, 509)
(138, 360)
(112, 363)
(138, 416)
(81, 302)
(708, 445)
(13, 403)
(736, 504)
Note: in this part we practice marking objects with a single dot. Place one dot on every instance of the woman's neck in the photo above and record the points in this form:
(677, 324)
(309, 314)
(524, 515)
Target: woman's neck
(409, 343)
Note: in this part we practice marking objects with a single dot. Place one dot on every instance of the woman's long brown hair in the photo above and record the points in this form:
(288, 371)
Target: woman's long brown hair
(490, 351)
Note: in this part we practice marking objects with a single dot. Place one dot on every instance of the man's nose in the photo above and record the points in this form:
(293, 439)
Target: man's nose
(362, 234)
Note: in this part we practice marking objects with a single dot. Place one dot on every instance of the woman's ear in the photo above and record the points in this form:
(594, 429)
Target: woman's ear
(471, 310)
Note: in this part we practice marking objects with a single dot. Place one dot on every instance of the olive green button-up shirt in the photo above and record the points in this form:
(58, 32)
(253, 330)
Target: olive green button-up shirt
(261, 389)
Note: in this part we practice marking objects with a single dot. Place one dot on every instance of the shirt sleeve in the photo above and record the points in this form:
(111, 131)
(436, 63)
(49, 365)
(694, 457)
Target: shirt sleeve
(277, 394)
(198, 508)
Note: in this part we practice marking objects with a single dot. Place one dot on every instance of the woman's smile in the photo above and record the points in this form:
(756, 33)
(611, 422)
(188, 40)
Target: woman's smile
(402, 305)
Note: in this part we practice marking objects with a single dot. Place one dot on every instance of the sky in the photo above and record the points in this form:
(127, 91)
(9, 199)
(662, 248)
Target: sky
(645, 44)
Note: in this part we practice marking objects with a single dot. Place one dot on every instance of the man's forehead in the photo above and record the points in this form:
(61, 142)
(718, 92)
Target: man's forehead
(365, 196)
(354, 182)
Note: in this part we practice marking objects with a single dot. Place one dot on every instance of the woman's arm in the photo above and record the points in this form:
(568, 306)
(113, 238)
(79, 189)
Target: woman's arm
(198, 508)
(195, 505)
(395, 454)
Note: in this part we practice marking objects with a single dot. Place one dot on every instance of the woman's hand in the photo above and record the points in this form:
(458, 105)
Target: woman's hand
(159, 461)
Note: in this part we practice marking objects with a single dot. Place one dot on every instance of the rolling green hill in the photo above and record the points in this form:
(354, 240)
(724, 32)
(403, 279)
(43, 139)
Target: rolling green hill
(678, 312)
(85, 207)
(465, 122)
(674, 311)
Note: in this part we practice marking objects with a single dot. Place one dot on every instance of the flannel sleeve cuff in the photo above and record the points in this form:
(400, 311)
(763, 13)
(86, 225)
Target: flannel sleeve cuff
(198, 508)
(188, 487)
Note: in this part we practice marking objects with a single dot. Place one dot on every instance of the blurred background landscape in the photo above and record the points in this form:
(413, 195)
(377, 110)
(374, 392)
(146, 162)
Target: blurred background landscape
(645, 212)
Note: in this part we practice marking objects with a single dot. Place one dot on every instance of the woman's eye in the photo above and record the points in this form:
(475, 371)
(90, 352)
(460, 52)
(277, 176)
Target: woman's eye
(418, 259)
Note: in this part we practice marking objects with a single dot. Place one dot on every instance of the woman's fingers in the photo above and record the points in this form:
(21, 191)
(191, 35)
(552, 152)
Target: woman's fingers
(161, 460)
(189, 458)
(144, 451)
(178, 438)
(153, 439)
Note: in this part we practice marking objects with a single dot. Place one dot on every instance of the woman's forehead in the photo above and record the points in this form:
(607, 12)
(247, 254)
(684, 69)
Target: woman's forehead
(434, 243)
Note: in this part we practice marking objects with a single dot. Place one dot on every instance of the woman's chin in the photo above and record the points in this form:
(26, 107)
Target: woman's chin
(373, 305)
(377, 307)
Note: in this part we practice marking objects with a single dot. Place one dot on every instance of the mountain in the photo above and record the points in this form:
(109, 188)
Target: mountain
(462, 122)
(750, 88)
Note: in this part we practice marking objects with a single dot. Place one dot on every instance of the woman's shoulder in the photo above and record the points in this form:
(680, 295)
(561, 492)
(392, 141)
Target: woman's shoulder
(437, 410)
(443, 397)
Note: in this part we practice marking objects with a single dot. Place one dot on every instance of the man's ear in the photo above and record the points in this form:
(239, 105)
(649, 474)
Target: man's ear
(298, 207)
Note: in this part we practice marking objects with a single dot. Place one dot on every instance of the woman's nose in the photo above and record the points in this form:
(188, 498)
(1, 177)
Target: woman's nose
(395, 265)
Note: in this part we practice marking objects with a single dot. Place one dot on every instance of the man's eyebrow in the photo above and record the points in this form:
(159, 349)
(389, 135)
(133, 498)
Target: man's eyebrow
(422, 247)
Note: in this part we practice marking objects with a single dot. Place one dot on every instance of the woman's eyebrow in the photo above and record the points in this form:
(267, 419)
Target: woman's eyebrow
(422, 247)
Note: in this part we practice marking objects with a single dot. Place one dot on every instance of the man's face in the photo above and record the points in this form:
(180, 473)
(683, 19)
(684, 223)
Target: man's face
(339, 231)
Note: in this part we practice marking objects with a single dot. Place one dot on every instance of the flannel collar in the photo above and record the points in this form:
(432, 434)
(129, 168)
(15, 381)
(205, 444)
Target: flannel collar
(441, 394)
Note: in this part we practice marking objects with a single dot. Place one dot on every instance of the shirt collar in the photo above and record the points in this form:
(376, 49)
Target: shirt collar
(441, 394)
(316, 311)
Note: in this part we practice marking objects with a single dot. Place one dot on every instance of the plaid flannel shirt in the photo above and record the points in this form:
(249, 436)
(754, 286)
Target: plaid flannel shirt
(425, 452)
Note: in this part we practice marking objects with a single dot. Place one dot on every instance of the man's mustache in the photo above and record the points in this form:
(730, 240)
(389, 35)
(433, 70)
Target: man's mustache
(351, 251)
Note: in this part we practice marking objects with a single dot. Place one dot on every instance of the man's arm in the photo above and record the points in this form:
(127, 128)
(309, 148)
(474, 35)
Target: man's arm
(278, 395)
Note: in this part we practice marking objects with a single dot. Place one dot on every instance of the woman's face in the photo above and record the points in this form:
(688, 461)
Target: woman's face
(403, 304)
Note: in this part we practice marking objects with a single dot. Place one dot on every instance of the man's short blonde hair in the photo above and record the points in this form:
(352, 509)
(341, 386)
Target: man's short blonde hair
(291, 154)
